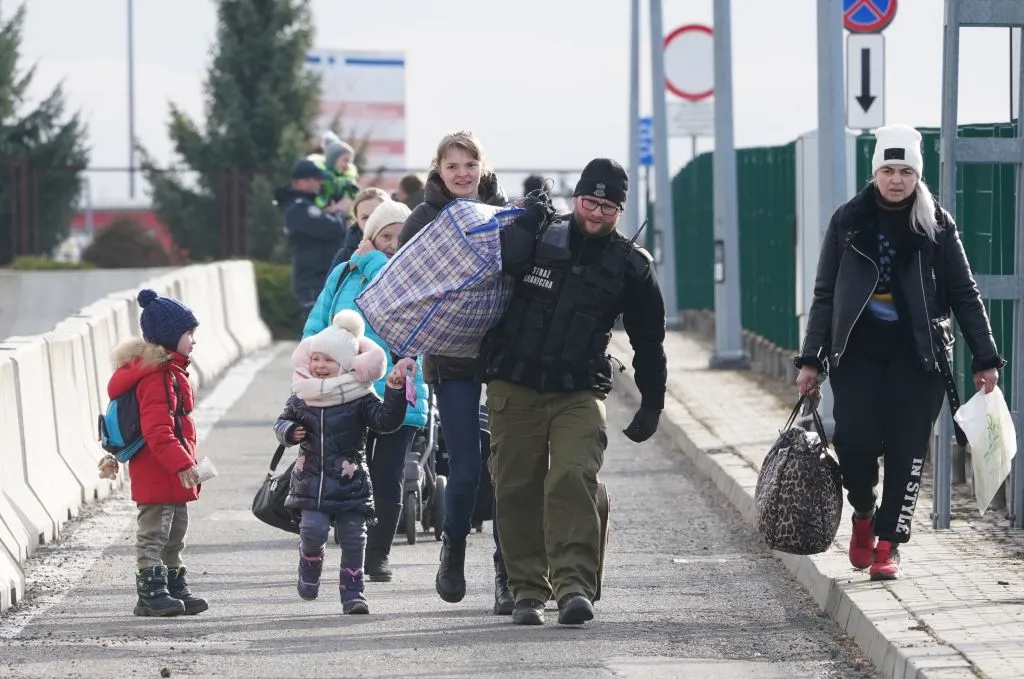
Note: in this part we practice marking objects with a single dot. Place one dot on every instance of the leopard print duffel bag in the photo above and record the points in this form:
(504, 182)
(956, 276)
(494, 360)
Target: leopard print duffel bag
(799, 493)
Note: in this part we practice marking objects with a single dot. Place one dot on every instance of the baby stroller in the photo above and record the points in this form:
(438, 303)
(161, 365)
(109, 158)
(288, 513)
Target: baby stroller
(426, 478)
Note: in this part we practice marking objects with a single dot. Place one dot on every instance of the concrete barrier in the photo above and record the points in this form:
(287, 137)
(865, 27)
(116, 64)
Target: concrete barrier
(242, 306)
(24, 516)
(48, 474)
(53, 387)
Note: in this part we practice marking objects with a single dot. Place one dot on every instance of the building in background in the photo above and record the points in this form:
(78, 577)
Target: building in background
(366, 90)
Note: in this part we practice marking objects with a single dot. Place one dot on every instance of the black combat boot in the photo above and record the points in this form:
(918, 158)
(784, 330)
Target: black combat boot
(503, 601)
(528, 612)
(379, 538)
(451, 577)
(177, 587)
(154, 599)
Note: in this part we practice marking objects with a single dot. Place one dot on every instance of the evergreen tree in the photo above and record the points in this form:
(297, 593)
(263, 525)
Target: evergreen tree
(261, 106)
(42, 154)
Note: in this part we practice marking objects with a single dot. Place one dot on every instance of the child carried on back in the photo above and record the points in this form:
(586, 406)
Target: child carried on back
(332, 406)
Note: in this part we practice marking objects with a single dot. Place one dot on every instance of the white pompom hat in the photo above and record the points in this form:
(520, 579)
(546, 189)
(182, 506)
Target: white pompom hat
(897, 145)
(340, 340)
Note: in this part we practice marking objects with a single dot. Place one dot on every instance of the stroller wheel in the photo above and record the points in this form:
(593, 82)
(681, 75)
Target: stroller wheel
(437, 505)
(411, 503)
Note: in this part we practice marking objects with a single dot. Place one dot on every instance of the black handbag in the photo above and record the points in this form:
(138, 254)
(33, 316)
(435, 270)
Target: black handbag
(268, 505)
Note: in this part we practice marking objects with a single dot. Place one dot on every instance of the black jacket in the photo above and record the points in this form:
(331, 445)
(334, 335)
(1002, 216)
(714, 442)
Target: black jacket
(313, 236)
(641, 306)
(435, 198)
(935, 279)
(330, 474)
(353, 236)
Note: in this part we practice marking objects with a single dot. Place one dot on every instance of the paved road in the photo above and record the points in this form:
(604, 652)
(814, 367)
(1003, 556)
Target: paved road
(689, 592)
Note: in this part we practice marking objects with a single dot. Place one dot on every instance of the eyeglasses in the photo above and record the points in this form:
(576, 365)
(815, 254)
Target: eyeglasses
(589, 204)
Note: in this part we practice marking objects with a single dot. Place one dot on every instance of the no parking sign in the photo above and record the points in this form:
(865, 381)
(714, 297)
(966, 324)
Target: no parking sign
(868, 16)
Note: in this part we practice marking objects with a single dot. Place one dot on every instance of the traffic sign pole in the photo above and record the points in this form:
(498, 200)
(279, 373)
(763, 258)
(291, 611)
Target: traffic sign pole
(663, 219)
(728, 351)
(633, 203)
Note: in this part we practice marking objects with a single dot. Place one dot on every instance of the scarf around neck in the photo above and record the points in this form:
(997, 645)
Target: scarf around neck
(330, 391)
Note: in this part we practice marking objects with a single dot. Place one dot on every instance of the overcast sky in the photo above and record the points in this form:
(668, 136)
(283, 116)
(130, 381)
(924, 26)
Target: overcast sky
(544, 84)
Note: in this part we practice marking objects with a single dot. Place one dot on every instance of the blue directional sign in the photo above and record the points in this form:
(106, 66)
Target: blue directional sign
(645, 141)
(868, 16)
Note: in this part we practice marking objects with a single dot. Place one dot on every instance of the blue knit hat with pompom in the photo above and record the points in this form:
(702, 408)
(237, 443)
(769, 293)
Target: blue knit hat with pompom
(164, 320)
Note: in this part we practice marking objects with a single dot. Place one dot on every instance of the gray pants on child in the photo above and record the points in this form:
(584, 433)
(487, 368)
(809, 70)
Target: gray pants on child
(314, 528)
(160, 539)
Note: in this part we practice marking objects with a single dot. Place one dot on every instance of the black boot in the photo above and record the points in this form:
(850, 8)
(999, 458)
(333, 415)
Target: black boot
(451, 577)
(154, 600)
(177, 587)
(379, 538)
(503, 601)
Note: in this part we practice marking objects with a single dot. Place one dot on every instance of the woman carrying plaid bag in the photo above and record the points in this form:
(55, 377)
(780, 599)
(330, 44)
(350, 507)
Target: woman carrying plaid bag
(459, 171)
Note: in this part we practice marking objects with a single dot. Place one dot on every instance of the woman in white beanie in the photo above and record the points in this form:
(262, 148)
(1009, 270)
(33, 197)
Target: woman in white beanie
(387, 464)
(892, 269)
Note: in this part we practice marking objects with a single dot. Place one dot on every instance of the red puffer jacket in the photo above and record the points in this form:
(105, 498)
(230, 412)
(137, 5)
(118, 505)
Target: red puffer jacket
(154, 469)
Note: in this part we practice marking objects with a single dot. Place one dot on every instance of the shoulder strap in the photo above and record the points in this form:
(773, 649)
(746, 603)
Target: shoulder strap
(276, 460)
(174, 410)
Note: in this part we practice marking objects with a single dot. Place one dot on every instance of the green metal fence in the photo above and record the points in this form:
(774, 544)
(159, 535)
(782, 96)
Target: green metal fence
(766, 180)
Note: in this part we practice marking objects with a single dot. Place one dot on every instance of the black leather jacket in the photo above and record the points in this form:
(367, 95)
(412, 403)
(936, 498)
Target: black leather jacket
(935, 278)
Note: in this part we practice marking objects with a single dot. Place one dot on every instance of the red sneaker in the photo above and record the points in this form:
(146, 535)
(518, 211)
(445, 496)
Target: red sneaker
(862, 542)
(887, 561)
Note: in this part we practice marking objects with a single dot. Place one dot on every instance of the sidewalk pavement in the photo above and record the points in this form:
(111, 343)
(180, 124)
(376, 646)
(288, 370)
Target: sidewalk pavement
(957, 612)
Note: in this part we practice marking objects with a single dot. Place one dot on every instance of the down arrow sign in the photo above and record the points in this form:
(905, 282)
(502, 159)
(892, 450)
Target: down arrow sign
(865, 99)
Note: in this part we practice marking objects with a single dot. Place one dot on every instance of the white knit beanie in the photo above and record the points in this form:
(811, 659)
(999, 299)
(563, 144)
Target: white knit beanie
(388, 212)
(340, 340)
(897, 144)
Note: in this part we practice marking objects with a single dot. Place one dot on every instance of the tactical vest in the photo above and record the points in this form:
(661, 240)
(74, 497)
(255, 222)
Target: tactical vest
(555, 334)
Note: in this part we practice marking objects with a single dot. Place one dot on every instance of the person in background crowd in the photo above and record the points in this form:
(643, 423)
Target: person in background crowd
(313, 235)
(389, 452)
(343, 184)
(459, 171)
(366, 201)
(532, 183)
(892, 269)
(410, 190)
(548, 374)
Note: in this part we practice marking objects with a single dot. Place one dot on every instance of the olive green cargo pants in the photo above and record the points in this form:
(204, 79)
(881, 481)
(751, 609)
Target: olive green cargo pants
(546, 451)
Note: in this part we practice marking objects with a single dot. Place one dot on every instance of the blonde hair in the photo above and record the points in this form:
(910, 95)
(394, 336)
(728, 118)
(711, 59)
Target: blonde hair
(922, 214)
(365, 195)
(465, 140)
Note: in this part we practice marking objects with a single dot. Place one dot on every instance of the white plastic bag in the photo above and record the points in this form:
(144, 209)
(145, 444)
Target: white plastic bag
(986, 422)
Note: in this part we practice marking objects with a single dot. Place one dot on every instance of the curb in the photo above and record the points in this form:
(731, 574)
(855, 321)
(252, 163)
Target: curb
(895, 641)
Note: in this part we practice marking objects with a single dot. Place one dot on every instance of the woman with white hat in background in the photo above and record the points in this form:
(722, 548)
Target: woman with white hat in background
(892, 269)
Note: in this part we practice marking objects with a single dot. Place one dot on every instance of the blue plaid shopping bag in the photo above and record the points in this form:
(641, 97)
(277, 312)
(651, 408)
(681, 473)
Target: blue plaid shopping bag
(444, 289)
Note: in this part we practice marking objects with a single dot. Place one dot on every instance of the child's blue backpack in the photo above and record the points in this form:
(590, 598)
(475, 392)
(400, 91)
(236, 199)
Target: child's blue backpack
(120, 427)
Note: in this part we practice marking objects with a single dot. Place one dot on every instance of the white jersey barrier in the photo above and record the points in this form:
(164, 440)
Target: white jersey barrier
(53, 388)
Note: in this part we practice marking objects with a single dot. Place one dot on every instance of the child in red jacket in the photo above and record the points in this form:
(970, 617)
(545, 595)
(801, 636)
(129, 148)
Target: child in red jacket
(163, 471)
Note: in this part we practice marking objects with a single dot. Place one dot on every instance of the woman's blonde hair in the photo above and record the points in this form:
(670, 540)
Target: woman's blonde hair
(365, 195)
(465, 140)
(922, 215)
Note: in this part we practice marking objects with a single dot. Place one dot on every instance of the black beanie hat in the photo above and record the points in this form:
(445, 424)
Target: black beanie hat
(603, 178)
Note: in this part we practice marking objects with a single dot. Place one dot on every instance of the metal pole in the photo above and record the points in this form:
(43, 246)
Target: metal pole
(633, 204)
(1015, 484)
(728, 351)
(942, 453)
(664, 217)
(131, 104)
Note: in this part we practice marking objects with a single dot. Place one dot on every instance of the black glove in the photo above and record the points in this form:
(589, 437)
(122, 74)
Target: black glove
(643, 426)
(539, 212)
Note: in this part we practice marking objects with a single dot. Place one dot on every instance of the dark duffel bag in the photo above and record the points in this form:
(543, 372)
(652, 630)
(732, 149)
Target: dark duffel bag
(799, 492)
(268, 505)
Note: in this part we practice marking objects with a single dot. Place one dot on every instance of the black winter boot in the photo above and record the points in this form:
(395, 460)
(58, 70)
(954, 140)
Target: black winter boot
(451, 577)
(379, 538)
(503, 601)
(154, 600)
(350, 584)
(177, 587)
